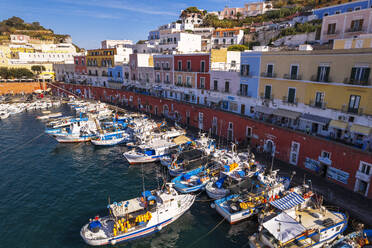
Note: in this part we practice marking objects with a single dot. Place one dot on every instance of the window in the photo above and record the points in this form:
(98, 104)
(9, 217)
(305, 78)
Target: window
(365, 168)
(354, 102)
(243, 90)
(294, 71)
(179, 79)
(323, 74)
(227, 86)
(167, 78)
(244, 70)
(326, 14)
(232, 41)
(202, 83)
(179, 65)
(357, 8)
(233, 63)
(325, 154)
(349, 9)
(188, 81)
(269, 70)
(356, 25)
(189, 65)
(293, 157)
(248, 131)
(267, 92)
(331, 28)
(319, 98)
(360, 75)
(215, 85)
(291, 95)
(337, 12)
(202, 66)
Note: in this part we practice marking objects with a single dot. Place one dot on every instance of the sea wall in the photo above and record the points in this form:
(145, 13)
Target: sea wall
(296, 148)
(19, 88)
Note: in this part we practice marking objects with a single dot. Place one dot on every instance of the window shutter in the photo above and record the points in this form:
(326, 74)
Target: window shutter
(353, 74)
(318, 76)
(365, 74)
(326, 78)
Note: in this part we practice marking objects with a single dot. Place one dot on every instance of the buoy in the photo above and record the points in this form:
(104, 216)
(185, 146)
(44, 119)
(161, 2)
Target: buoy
(159, 227)
(113, 242)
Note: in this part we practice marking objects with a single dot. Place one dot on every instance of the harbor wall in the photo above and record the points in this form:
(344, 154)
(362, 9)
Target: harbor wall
(19, 88)
(334, 161)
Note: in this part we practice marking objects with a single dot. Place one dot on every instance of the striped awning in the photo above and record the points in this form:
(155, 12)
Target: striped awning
(338, 124)
(289, 201)
(360, 129)
(315, 118)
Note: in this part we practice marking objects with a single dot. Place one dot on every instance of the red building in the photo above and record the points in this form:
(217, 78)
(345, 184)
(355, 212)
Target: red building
(80, 64)
(339, 163)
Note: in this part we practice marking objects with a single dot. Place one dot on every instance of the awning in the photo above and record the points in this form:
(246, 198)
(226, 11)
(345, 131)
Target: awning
(338, 124)
(287, 113)
(364, 130)
(284, 228)
(181, 140)
(288, 202)
(315, 118)
(265, 110)
(213, 99)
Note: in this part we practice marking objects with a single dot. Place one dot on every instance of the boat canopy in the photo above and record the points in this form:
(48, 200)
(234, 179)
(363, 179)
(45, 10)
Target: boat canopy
(181, 140)
(288, 202)
(284, 228)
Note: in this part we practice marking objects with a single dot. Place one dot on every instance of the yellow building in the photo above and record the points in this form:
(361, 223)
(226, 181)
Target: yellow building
(101, 57)
(331, 79)
(363, 41)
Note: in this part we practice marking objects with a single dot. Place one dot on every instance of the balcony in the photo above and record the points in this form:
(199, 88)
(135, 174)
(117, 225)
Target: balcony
(331, 33)
(166, 68)
(167, 82)
(357, 81)
(157, 81)
(356, 30)
(269, 75)
(249, 74)
(347, 110)
(264, 97)
(285, 100)
(315, 104)
(292, 77)
(243, 94)
(157, 68)
(315, 78)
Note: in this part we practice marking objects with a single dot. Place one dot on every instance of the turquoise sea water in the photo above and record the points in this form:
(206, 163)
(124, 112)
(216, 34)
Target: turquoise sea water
(48, 191)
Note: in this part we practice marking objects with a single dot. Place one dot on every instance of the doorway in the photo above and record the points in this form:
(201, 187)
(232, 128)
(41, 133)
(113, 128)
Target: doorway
(314, 128)
(242, 109)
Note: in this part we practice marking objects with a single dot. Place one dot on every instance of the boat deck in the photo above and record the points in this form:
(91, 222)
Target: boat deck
(317, 218)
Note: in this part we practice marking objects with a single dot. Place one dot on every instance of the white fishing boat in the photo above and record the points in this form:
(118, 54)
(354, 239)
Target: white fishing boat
(298, 223)
(137, 217)
(111, 138)
(4, 115)
(149, 153)
(49, 116)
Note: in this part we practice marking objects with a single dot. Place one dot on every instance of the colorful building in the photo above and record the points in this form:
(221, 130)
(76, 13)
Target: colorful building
(346, 25)
(224, 37)
(362, 41)
(249, 9)
(345, 7)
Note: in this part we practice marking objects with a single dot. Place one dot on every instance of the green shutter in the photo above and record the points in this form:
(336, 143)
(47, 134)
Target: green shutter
(326, 78)
(353, 74)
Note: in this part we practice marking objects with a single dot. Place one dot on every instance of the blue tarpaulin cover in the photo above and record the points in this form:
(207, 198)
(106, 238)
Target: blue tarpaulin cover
(241, 173)
(146, 193)
(289, 201)
(219, 182)
(150, 152)
(186, 177)
(95, 224)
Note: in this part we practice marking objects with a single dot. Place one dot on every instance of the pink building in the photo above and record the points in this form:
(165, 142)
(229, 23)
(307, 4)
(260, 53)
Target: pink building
(346, 25)
(163, 69)
(249, 9)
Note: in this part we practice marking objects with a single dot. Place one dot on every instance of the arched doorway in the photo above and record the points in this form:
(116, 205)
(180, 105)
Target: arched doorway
(269, 146)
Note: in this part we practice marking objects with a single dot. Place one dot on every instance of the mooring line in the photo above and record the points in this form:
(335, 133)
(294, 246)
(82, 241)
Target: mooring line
(205, 235)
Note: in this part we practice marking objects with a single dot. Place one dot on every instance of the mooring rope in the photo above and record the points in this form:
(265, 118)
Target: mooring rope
(17, 146)
(205, 235)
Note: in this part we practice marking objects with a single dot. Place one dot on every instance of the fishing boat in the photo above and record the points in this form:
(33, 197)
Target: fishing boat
(357, 239)
(196, 179)
(4, 115)
(137, 217)
(186, 161)
(50, 115)
(250, 200)
(232, 179)
(149, 153)
(298, 223)
(111, 138)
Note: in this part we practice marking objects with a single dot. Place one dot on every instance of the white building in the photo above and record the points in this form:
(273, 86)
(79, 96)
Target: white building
(180, 42)
(122, 55)
(114, 43)
(26, 58)
(189, 20)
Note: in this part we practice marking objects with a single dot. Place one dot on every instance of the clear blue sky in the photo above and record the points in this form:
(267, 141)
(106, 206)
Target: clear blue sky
(90, 21)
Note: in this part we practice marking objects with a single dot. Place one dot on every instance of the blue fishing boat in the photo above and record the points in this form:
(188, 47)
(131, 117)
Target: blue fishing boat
(187, 161)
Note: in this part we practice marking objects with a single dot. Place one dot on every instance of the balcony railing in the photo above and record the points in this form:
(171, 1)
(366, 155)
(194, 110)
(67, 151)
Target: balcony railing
(243, 94)
(285, 100)
(167, 82)
(331, 33)
(354, 30)
(292, 77)
(249, 74)
(315, 104)
(357, 81)
(157, 81)
(315, 78)
(263, 96)
(157, 68)
(166, 68)
(269, 75)
(356, 111)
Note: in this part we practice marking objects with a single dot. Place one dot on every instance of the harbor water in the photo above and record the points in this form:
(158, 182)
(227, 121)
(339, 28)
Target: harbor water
(49, 191)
